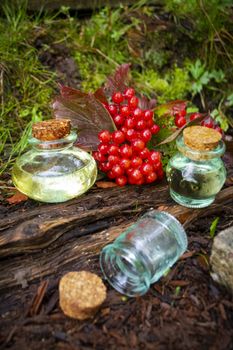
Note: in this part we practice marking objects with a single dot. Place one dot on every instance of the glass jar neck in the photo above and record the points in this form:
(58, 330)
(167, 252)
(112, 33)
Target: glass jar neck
(54, 145)
(198, 155)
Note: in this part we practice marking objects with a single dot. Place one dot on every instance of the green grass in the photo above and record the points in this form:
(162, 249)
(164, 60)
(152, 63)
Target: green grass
(26, 85)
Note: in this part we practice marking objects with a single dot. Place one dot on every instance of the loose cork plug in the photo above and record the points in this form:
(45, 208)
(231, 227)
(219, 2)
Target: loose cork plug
(51, 130)
(201, 138)
(81, 294)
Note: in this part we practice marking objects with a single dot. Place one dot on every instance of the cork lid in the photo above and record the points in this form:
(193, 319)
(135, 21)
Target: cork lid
(51, 130)
(201, 138)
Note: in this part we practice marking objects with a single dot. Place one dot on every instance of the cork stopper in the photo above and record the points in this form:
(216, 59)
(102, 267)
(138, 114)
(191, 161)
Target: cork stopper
(201, 138)
(51, 130)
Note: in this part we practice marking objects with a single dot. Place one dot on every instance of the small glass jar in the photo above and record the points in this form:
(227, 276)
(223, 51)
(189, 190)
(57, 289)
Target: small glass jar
(143, 253)
(194, 175)
(54, 170)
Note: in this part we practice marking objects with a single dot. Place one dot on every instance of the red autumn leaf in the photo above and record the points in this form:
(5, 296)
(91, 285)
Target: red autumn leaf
(145, 103)
(86, 113)
(171, 108)
(100, 95)
(69, 92)
(17, 197)
(118, 81)
(105, 184)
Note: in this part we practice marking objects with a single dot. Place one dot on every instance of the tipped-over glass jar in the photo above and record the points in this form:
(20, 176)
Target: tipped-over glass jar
(196, 173)
(54, 170)
(143, 253)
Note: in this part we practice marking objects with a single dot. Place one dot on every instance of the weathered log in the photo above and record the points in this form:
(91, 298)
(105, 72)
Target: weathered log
(75, 232)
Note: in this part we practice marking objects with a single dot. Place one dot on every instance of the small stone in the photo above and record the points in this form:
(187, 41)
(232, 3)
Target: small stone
(81, 294)
(222, 258)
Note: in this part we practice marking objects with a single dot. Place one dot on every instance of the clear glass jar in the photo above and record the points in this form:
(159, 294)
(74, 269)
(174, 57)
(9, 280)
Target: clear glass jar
(195, 176)
(143, 253)
(54, 171)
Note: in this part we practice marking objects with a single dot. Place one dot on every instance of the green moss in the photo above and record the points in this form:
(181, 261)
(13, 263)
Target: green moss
(175, 84)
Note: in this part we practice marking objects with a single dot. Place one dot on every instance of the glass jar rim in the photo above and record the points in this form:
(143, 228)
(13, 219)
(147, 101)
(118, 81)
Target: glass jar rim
(199, 154)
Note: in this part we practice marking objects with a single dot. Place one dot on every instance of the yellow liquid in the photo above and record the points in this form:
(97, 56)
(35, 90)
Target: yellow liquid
(54, 178)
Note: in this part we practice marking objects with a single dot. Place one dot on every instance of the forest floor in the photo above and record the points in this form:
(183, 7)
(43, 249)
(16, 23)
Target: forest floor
(184, 310)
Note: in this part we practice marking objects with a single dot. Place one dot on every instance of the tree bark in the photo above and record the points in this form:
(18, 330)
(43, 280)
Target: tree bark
(71, 234)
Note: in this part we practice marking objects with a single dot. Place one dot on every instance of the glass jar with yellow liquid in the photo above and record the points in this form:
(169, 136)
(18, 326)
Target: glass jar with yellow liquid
(54, 170)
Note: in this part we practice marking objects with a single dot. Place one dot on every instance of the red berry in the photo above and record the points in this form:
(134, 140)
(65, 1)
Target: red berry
(125, 110)
(146, 135)
(135, 176)
(180, 121)
(137, 113)
(129, 123)
(113, 160)
(126, 151)
(104, 136)
(208, 123)
(147, 169)
(129, 92)
(182, 113)
(133, 102)
(194, 116)
(149, 123)
(131, 134)
(111, 175)
(155, 157)
(117, 170)
(141, 124)
(155, 129)
(119, 119)
(117, 97)
(106, 167)
(136, 162)
(160, 173)
(121, 180)
(129, 171)
(148, 115)
(138, 145)
(139, 182)
(144, 154)
(95, 155)
(101, 157)
(118, 136)
(124, 129)
(151, 177)
(112, 109)
(125, 163)
(103, 148)
(217, 128)
(113, 149)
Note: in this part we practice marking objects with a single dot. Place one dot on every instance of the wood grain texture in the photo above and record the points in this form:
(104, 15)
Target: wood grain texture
(70, 235)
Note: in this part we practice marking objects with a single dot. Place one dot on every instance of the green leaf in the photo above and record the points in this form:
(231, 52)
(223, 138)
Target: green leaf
(175, 134)
(220, 118)
(170, 108)
(213, 227)
(230, 100)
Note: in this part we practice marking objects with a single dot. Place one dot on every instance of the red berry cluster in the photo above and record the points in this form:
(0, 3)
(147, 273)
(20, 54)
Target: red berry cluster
(123, 154)
(208, 122)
